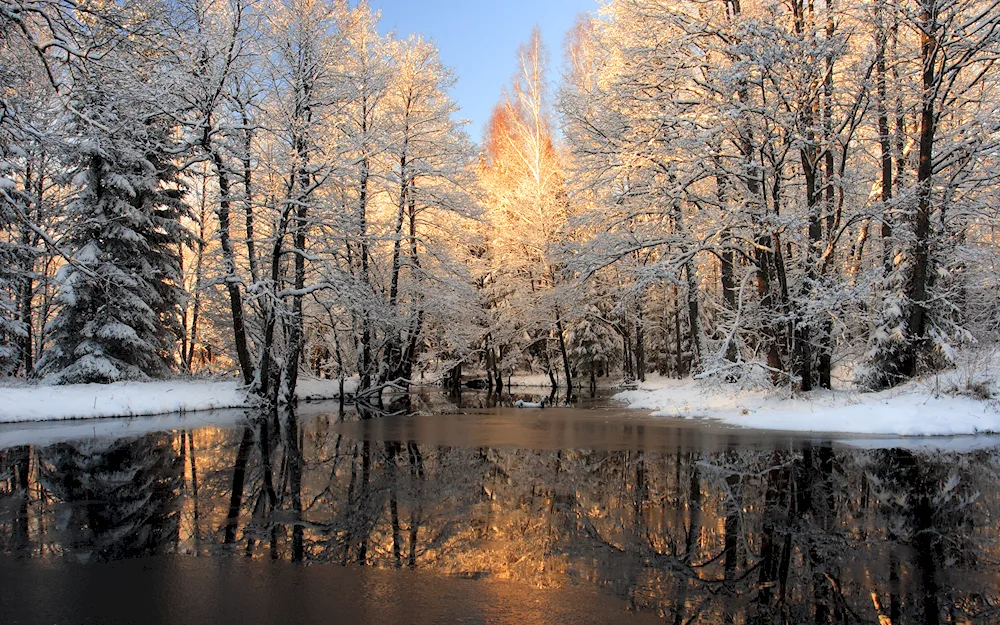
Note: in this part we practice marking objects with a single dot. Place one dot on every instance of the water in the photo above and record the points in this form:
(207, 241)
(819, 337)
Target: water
(462, 513)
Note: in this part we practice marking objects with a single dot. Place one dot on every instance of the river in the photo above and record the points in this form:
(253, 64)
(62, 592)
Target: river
(439, 510)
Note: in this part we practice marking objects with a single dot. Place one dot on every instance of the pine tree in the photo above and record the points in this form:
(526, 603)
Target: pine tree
(593, 346)
(120, 292)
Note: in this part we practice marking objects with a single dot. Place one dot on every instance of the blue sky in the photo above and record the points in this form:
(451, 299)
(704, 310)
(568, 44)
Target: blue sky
(478, 39)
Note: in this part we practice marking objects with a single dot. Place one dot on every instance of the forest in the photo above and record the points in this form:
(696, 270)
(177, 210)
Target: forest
(799, 193)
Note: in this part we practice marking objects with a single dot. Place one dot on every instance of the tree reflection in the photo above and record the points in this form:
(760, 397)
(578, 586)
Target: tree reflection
(116, 499)
(814, 534)
(15, 471)
(931, 512)
(239, 480)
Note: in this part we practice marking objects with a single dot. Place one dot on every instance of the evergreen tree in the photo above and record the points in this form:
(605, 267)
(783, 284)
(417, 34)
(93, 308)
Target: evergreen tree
(120, 292)
(593, 346)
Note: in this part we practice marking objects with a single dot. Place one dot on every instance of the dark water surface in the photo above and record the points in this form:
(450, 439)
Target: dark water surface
(469, 514)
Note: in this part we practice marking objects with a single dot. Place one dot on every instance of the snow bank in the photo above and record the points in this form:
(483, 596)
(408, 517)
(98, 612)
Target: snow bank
(127, 399)
(929, 445)
(531, 380)
(541, 380)
(911, 410)
(309, 389)
(83, 401)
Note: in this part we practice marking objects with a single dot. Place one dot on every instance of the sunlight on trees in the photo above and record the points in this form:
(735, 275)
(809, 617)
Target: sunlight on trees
(798, 193)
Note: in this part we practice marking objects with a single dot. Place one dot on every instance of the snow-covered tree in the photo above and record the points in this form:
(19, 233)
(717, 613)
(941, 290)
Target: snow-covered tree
(526, 210)
(593, 346)
(953, 46)
(29, 165)
(120, 290)
(725, 150)
(429, 158)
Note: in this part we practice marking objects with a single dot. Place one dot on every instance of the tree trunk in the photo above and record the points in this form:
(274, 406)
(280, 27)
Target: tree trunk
(394, 351)
(813, 207)
(885, 148)
(198, 276)
(726, 256)
(775, 254)
(365, 366)
(678, 344)
(809, 158)
(248, 196)
(229, 263)
(640, 344)
(268, 379)
(694, 320)
(26, 296)
(565, 356)
(364, 172)
(295, 338)
(627, 355)
(824, 360)
(410, 356)
(918, 293)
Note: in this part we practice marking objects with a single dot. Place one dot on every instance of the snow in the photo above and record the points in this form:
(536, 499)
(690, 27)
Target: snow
(126, 399)
(937, 444)
(309, 389)
(541, 380)
(914, 409)
(530, 380)
(531, 404)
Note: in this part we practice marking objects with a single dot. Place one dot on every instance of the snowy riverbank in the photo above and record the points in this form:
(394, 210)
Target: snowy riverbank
(126, 399)
(541, 380)
(919, 408)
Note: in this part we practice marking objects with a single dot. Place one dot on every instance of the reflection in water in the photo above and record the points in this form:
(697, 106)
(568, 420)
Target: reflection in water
(786, 534)
(100, 498)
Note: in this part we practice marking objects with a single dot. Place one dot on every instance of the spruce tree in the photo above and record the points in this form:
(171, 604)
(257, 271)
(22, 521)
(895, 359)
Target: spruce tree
(121, 292)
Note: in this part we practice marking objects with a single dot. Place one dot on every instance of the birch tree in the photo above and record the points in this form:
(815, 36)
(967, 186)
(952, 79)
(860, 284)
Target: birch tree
(527, 209)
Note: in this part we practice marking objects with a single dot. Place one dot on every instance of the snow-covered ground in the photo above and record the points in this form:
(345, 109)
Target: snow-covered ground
(531, 380)
(312, 389)
(541, 380)
(928, 407)
(919, 408)
(126, 399)
(928, 444)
